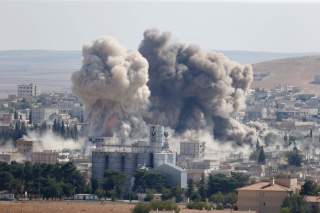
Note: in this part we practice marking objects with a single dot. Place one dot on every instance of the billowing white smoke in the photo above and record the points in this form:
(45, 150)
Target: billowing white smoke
(50, 141)
(112, 84)
(192, 89)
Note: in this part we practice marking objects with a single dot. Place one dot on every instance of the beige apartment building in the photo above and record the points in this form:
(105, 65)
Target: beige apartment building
(266, 197)
(46, 157)
(24, 146)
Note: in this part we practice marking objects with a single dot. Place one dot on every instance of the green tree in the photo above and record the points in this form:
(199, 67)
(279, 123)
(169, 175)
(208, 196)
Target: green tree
(114, 181)
(261, 156)
(5, 180)
(141, 208)
(15, 115)
(225, 184)
(230, 199)
(190, 188)
(195, 196)
(100, 193)
(309, 188)
(94, 185)
(202, 188)
(295, 203)
(294, 157)
(178, 194)
(217, 198)
(145, 179)
(285, 210)
(30, 117)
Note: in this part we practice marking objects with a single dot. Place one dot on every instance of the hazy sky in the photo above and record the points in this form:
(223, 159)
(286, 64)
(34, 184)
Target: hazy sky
(278, 27)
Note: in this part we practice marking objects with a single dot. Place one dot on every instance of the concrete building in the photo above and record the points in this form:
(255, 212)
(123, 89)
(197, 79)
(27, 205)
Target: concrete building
(127, 158)
(125, 162)
(316, 79)
(157, 137)
(45, 157)
(265, 197)
(27, 90)
(163, 157)
(85, 197)
(24, 147)
(41, 114)
(6, 118)
(7, 196)
(5, 157)
(197, 174)
(313, 202)
(192, 149)
(175, 175)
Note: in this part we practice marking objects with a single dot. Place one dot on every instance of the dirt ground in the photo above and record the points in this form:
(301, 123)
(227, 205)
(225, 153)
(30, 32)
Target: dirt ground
(64, 207)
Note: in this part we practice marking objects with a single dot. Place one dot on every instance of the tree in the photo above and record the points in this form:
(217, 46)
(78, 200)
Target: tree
(114, 181)
(15, 115)
(195, 196)
(261, 156)
(230, 198)
(167, 194)
(294, 157)
(5, 180)
(309, 188)
(141, 208)
(94, 185)
(62, 129)
(100, 193)
(190, 188)
(225, 184)
(217, 198)
(68, 189)
(285, 210)
(178, 194)
(145, 179)
(30, 118)
(295, 203)
(202, 188)
(255, 154)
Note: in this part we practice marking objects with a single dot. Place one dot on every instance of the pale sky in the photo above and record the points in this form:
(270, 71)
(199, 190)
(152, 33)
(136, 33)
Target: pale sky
(276, 27)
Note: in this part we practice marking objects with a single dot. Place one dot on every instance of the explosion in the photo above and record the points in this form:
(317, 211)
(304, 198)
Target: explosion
(190, 89)
(112, 84)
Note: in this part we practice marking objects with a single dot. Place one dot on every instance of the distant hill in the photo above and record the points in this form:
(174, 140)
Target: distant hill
(298, 71)
(251, 57)
(52, 70)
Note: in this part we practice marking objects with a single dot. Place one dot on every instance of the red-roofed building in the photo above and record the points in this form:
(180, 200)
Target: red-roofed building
(266, 197)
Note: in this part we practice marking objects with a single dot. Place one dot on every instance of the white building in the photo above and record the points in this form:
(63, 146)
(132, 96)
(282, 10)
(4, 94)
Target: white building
(164, 157)
(27, 90)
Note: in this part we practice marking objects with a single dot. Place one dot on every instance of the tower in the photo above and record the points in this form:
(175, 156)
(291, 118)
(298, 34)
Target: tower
(157, 137)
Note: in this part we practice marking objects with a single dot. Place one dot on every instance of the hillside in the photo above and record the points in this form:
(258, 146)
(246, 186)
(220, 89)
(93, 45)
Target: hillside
(292, 71)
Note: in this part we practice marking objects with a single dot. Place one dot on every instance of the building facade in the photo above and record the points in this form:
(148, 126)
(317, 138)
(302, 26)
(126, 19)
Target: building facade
(265, 197)
(27, 90)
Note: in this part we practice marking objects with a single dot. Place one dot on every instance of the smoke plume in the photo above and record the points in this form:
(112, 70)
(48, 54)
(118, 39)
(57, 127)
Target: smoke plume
(112, 84)
(192, 89)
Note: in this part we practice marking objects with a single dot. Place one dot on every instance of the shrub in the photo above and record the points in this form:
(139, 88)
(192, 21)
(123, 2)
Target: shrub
(199, 206)
(141, 208)
(164, 205)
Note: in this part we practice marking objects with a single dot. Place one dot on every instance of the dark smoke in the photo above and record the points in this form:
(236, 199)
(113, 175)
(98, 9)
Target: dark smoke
(192, 89)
